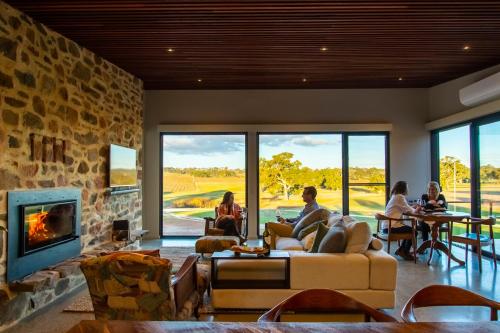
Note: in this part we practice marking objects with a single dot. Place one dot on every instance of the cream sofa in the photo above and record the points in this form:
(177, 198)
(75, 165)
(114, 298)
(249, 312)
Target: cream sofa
(369, 278)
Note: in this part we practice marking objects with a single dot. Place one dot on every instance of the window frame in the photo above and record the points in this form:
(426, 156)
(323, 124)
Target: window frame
(475, 191)
(345, 163)
(170, 133)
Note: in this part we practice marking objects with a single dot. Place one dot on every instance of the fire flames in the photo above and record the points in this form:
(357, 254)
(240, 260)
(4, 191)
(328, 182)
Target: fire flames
(37, 231)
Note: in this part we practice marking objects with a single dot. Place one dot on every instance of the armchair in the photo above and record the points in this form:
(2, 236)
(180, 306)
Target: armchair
(133, 286)
(212, 230)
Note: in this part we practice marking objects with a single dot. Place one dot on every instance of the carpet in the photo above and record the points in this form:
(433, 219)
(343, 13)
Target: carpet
(177, 255)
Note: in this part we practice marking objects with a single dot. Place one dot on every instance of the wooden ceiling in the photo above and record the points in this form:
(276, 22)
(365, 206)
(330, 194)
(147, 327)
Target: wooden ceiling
(278, 44)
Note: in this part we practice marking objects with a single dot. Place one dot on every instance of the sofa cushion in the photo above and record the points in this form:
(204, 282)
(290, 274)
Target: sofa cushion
(288, 243)
(320, 233)
(376, 244)
(309, 229)
(383, 270)
(308, 241)
(329, 271)
(335, 240)
(359, 236)
(334, 219)
(314, 216)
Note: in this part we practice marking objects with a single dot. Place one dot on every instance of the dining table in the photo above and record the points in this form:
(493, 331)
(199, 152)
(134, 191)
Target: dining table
(435, 219)
(95, 326)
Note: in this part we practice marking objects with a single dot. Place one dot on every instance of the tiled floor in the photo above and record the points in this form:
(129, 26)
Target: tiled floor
(411, 277)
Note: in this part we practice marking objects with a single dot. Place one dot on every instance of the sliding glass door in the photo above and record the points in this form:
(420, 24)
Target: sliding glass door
(197, 169)
(287, 163)
(489, 171)
(466, 161)
(454, 167)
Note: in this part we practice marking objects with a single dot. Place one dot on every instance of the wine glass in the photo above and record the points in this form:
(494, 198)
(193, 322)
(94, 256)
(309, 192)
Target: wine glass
(278, 214)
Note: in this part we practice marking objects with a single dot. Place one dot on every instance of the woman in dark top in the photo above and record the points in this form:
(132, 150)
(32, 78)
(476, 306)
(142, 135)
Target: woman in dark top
(229, 215)
(431, 200)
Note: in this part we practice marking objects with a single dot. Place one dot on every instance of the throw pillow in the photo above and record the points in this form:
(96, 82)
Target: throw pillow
(320, 233)
(309, 229)
(335, 240)
(308, 241)
(376, 244)
(334, 219)
(314, 216)
(359, 236)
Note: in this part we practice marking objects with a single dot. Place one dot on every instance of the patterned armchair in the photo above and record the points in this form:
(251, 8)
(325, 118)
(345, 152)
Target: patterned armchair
(134, 286)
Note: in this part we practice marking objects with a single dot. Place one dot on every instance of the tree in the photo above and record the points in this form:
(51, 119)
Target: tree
(489, 173)
(452, 169)
(281, 175)
(332, 179)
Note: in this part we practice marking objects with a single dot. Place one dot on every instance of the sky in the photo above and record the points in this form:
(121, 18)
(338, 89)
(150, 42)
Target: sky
(316, 151)
(455, 142)
(123, 158)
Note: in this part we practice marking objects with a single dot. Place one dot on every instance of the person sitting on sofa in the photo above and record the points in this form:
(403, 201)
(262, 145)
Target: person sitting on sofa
(396, 207)
(228, 215)
(309, 197)
(285, 226)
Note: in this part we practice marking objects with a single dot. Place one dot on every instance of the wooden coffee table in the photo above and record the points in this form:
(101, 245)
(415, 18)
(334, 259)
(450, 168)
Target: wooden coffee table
(250, 283)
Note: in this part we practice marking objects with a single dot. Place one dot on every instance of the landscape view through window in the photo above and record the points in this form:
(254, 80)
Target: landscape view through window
(197, 171)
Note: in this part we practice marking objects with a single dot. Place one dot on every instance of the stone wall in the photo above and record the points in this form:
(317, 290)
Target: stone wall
(60, 107)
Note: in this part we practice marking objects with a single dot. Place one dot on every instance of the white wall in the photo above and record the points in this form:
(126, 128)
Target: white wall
(406, 109)
(443, 98)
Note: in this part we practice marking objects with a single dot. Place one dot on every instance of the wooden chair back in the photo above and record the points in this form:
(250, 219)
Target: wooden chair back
(441, 295)
(323, 301)
(390, 237)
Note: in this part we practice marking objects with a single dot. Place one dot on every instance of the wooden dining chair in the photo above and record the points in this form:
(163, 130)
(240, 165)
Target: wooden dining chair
(441, 295)
(476, 238)
(391, 237)
(323, 301)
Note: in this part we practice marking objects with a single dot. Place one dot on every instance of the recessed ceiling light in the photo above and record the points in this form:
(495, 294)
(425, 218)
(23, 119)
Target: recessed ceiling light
(304, 79)
(170, 50)
(324, 49)
(466, 48)
(400, 78)
(199, 80)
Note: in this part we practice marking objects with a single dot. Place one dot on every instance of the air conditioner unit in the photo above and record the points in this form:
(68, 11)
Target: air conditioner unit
(482, 91)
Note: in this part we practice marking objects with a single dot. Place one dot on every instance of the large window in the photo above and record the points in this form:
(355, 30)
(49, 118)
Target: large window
(197, 169)
(267, 172)
(288, 162)
(454, 167)
(489, 170)
(466, 161)
(367, 176)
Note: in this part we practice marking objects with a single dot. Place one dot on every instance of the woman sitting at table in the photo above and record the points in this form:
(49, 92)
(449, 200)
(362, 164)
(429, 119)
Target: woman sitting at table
(430, 201)
(396, 207)
(228, 216)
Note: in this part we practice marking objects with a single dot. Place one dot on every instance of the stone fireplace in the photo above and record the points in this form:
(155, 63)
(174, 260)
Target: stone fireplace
(44, 229)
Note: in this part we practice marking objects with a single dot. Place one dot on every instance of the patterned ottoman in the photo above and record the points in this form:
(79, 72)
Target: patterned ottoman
(211, 244)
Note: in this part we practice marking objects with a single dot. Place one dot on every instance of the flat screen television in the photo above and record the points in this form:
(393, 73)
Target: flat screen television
(122, 166)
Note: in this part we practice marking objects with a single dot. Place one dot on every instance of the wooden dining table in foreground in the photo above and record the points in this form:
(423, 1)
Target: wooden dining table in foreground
(93, 326)
(435, 220)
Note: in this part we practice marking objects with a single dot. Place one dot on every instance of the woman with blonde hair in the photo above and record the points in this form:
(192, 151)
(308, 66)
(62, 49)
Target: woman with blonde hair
(431, 200)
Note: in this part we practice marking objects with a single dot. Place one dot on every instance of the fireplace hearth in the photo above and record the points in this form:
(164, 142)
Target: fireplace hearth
(43, 229)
